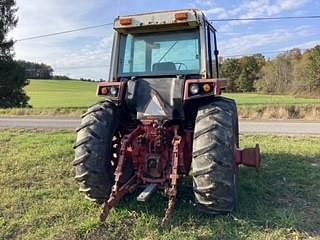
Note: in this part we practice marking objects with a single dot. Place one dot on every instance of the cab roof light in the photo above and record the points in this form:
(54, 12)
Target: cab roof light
(181, 16)
(126, 21)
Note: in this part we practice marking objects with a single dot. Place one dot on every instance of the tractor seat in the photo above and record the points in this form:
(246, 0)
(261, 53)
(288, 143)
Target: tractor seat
(162, 67)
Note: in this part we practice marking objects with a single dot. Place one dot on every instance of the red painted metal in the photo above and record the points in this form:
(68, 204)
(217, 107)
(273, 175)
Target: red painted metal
(186, 153)
(221, 85)
(152, 151)
(114, 199)
(118, 190)
(120, 85)
(249, 157)
(174, 177)
(159, 154)
(218, 86)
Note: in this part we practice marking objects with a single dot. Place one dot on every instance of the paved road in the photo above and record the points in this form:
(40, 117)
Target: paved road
(39, 123)
(281, 127)
(274, 127)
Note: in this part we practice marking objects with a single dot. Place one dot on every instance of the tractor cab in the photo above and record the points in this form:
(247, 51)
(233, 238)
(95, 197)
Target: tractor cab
(171, 44)
(164, 58)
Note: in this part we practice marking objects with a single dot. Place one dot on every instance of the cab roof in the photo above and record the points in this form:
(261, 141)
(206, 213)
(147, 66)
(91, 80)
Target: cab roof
(165, 20)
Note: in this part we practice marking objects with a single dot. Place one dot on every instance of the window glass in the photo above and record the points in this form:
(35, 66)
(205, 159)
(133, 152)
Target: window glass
(212, 43)
(139, 63)
(167, 53)
(126, 63)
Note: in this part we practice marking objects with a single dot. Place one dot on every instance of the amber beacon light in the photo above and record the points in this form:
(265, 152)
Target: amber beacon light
(126, 21)
(181, 16)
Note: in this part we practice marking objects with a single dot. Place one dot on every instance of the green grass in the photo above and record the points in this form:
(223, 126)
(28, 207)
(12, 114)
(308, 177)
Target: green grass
(61, 94)
(252, 99)
(40, 200)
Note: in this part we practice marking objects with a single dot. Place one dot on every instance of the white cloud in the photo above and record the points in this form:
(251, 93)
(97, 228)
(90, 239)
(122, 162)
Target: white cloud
(204, 2)
(201, 3)
(236, 44)
(303, 46)
(217, 12)
(39, 17)
(285, 5)
(257, 8)
(66, 53)
(253, 43)
(92, 57)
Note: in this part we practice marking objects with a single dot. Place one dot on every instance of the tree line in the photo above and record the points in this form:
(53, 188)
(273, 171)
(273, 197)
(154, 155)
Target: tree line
(36, 70)
(291, 72)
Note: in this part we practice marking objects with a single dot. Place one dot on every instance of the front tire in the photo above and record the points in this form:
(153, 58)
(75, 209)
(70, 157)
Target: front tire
(215, 174)
(94, 151)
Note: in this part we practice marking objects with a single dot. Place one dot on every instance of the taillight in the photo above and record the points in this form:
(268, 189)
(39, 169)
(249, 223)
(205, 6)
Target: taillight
(207, 88)
(194, 89)
(114, 91)
(104, 91)
(109, 91)
(198, 89)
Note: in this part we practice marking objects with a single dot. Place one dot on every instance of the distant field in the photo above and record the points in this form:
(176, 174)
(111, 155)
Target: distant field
(61, 94)
(251, 99)
(40, 198)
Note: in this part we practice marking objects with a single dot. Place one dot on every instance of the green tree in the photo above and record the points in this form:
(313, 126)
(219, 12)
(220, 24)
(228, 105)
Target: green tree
(12, 80)
(244, 82)
(307, 73)
(37, 70)
(8, 21)
(277, 75)
(250, 72)
(12, 75)
(231, 70)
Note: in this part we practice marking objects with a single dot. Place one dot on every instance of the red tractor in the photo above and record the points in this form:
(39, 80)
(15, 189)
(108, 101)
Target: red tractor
(163, 117)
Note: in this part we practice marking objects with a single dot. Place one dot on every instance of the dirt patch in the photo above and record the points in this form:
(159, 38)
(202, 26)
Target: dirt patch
(316, 163)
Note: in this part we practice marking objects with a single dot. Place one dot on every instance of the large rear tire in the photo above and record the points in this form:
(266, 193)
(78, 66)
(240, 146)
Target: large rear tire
(215, 174)
(94, 151)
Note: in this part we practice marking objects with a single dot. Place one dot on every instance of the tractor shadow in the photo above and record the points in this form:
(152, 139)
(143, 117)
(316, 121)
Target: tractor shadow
(284, 194)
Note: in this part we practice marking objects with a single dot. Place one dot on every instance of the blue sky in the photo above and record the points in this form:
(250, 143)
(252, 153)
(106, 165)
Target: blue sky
(87, 53)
